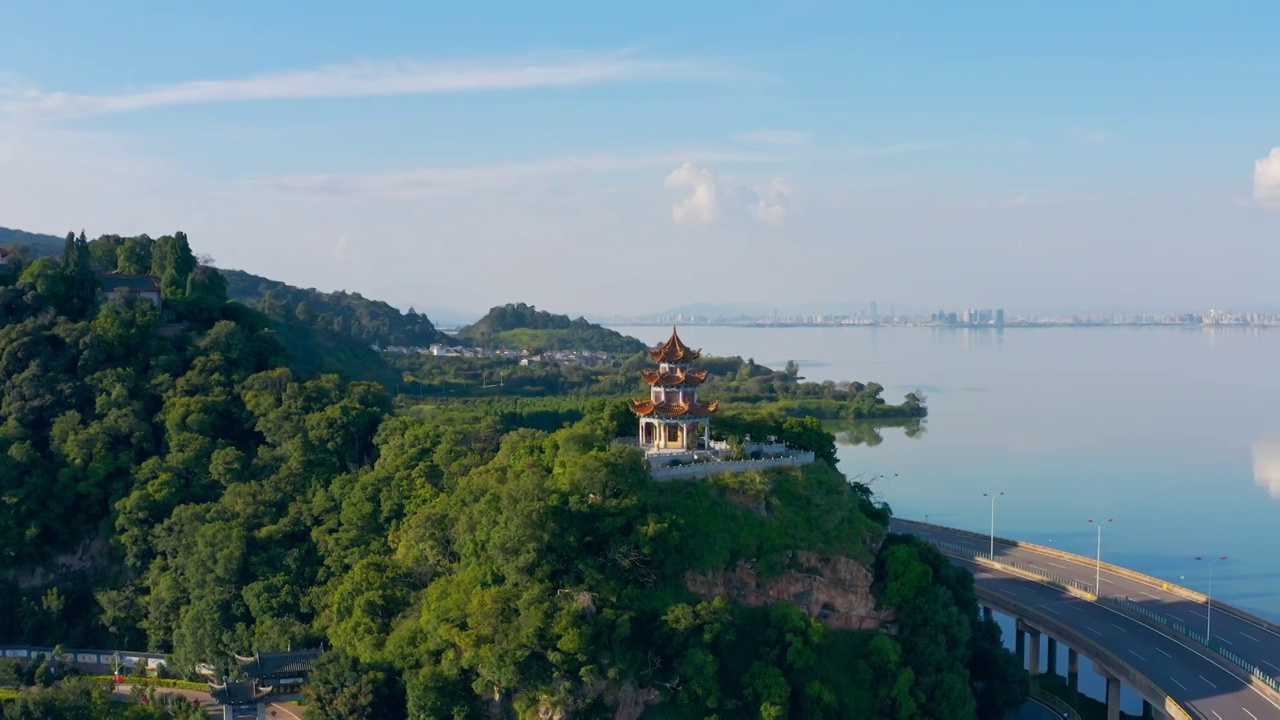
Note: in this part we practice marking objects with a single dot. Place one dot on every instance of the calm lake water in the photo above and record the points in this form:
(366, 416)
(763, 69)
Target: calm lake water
(1173, 432)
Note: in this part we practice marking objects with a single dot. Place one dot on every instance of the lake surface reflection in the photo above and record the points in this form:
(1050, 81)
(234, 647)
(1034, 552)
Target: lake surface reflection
(1173, 432)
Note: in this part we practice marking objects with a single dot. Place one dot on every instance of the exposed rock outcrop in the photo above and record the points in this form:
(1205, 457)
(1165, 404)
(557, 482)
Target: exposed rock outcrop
(631, 701)
(836, 590)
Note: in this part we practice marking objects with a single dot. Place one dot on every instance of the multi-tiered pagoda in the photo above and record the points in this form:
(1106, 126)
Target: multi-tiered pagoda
(673, 418)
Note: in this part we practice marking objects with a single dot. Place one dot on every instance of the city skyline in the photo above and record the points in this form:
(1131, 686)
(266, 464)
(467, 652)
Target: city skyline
(473, 155)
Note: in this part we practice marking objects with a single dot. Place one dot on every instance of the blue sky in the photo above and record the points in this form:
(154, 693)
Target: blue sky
(1033, 155)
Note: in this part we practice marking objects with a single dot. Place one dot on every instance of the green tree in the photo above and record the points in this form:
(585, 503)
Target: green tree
(133, 255)
(339, 687)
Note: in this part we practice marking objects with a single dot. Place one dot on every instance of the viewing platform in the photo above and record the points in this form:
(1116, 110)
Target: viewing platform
(675, 424)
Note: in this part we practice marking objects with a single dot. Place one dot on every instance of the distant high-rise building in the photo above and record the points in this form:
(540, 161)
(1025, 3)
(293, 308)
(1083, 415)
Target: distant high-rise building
(874, 313)
(999, 316)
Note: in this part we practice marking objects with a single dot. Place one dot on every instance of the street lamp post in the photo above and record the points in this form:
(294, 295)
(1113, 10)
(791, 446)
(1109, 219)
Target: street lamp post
(993, 520)
(1097, 581)
(1208, 604)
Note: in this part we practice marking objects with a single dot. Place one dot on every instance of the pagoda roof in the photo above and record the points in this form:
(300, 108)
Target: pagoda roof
(664, 410)
(674, 351)
(672, 378)
(278, 664)
(238, 692)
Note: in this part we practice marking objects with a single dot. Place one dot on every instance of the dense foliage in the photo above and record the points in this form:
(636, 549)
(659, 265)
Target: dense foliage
(171, 483)
(351, 314)
(521, 326)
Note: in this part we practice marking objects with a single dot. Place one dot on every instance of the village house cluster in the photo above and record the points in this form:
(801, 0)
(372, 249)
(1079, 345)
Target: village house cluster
(590, 358)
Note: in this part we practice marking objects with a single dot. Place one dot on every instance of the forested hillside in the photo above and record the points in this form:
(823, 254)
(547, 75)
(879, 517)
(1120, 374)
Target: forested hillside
(32, 245)
(170, 482)
(351, 314)
(521, 326)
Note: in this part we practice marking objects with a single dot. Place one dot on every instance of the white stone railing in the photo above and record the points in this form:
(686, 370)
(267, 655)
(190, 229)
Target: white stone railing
(703, 469)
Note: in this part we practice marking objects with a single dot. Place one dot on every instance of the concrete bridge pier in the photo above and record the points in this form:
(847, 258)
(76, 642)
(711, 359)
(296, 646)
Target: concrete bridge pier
(1052, 650)
(1020, 644)
(1073, 669)
(987, 614)
(1026, 632)
(1113, 692)
(1113, 698)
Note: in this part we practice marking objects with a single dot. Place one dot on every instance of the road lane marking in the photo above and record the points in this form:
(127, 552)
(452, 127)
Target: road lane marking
(1224, 640)
(1163, 653)
(1064, 567)
(1126, 632)
(1184, 687)
(1050, 609)
(1215, 687)
(1135, 654)
(1272, 665)
(1249, 636)
(1202, 656)
(1215, 714)
(1255, 717)
(1076, 608)
(1091, 629)
(1153, 597)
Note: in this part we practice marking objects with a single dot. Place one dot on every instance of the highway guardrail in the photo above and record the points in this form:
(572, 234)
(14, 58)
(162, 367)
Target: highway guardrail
(1245, 670)
(1185, 593)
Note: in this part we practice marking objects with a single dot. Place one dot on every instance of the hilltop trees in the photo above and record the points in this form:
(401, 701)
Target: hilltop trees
(454, 557)
(517, 325)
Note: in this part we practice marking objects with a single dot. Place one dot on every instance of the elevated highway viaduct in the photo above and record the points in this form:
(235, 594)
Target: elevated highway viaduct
(1134, 631)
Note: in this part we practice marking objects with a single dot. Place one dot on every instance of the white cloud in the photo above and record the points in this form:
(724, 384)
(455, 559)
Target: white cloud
(365, 79)
(773, 203)
(702, 203)
(774, 137)
(1266, 179)
(707, 197)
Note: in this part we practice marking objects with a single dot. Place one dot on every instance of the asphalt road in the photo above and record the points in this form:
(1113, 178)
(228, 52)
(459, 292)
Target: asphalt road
(1255, 644)
(1199, 684)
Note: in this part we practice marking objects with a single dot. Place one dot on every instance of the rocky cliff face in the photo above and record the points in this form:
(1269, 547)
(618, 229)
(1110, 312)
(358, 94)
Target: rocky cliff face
(836, 591)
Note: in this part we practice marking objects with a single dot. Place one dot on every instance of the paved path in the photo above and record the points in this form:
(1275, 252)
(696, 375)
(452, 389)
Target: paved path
(1253, 643)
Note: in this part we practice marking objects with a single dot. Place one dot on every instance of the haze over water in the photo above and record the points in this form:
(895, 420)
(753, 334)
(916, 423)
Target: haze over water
(1173, 432)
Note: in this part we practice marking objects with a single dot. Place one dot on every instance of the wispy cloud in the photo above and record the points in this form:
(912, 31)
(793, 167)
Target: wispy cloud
(1092, 137)
(368, 79)
(437, 180)
(774, 137)
(427, 181)
(1025, 198)
(1266, 179)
